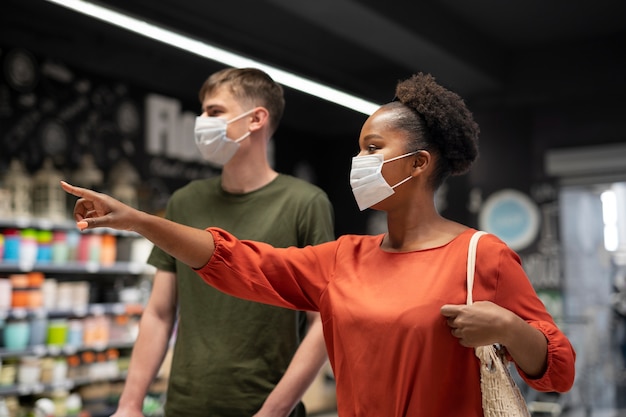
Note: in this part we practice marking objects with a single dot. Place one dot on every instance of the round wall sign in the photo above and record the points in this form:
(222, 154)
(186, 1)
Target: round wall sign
(512, 216)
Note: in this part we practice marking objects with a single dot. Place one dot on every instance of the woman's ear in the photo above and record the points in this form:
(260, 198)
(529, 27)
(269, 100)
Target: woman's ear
(421, 161)
(260, 117)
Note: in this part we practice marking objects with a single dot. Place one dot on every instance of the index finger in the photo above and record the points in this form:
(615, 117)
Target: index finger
(451, 310)
(77, 191)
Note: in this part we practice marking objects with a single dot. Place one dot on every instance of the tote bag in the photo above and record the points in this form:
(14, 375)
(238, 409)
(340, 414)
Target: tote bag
(501, 396)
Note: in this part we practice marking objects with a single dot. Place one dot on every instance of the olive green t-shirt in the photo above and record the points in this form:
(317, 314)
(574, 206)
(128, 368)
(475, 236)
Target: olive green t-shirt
(230, 353)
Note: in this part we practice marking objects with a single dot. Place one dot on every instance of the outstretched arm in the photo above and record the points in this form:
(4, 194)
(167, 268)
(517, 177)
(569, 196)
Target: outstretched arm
(192, 246)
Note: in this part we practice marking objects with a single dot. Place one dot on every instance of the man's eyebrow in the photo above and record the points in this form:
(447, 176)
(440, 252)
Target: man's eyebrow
(211, 107)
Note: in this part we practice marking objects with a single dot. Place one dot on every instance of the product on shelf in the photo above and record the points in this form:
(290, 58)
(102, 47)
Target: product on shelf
(70, 304)
(5, 294)
(16, 334)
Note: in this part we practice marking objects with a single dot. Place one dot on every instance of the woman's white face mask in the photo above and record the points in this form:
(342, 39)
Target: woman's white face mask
(366, 179)
(211, 140)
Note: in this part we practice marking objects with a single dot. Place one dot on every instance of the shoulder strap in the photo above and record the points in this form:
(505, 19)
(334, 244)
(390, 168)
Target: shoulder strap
(471, 264)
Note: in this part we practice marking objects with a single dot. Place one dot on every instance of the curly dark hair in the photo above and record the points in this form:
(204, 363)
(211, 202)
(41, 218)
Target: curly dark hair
(438, 121)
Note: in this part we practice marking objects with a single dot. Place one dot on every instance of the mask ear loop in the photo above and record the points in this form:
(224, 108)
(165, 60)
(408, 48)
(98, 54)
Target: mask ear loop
(241, 116)
(245, 135)
(234, 119)
(398, 157)
(402, 182)
(401, 156)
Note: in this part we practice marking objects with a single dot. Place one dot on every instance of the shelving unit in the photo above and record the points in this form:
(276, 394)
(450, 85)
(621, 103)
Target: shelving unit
(66, 350)
(124, 272)
(39, 388)
(119, 268)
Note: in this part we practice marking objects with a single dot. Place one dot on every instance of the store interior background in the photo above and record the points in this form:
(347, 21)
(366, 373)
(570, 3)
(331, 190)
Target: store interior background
(546, 82)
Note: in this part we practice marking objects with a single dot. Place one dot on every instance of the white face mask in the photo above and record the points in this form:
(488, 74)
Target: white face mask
(366, 179)
(211, 140)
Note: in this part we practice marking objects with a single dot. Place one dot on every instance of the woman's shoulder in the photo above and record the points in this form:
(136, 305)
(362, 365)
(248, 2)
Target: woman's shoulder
(488, 244)
(493, 241)
(359, 240)
(494, 248)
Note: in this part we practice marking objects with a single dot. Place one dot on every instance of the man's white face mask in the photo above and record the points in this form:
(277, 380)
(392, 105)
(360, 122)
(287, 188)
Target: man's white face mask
(211, 140)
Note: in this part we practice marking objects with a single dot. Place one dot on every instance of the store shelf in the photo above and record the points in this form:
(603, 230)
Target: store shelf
(46, 224)
(67, 384)
(115, 275)
(51, 350)
(97, 308)
(118, 268)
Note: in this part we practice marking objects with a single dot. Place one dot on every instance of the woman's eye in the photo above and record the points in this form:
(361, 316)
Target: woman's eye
(371, 148)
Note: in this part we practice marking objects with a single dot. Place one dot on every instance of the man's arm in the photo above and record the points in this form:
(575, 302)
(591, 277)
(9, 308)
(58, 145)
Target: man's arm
(155, 328)
(304, 367)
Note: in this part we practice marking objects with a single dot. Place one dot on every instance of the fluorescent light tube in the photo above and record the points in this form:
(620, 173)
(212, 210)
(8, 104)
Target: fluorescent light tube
(216, 54)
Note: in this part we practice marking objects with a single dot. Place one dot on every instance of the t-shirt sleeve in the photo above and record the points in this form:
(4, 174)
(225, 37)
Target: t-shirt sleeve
(514, 291)
(158, 257)
(292, 277)
(316, 225)
(161, 260)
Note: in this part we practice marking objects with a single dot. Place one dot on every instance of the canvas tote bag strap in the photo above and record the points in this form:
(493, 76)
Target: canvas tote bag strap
(471, 264)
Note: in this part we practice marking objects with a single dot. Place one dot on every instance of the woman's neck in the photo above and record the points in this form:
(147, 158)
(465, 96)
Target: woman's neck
(419, 229)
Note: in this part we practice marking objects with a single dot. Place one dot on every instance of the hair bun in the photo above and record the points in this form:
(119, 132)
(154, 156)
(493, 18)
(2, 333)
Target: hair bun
(449, 122)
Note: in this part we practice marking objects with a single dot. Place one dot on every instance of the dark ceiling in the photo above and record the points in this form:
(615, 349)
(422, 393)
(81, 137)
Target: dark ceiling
(495, 53)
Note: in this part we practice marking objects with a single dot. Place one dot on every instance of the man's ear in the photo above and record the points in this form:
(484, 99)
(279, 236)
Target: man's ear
(260, 117)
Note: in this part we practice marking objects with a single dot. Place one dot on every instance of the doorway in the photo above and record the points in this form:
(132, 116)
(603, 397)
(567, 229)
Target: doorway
(593, 240)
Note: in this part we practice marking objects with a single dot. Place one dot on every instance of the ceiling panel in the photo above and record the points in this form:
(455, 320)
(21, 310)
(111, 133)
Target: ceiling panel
(513, 53)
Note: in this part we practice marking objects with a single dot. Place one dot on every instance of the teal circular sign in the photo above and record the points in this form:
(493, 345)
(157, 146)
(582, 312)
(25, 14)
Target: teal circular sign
(512, 216)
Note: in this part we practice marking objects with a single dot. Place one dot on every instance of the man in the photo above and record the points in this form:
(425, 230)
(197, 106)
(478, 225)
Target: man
(233, 357)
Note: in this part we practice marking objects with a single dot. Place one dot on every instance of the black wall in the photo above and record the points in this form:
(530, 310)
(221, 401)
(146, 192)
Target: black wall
(514, 133)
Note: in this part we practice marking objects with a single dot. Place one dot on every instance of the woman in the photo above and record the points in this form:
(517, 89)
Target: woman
(398, 334)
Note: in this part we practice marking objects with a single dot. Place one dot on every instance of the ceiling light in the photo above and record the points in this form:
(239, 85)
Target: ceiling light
(217, 54)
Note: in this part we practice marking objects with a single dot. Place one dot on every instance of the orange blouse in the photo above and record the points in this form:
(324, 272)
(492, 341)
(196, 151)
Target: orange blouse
(391, 350)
